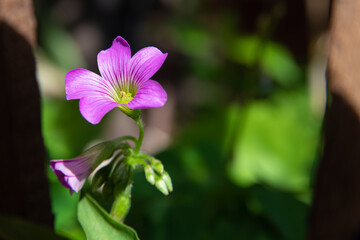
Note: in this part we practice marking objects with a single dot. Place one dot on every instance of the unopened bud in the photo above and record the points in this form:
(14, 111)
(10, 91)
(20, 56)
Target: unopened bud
(121, 205)
(157, 165)
(121, 177)
(100, 177)
(166, 178)
(149, 174)
(160, 184)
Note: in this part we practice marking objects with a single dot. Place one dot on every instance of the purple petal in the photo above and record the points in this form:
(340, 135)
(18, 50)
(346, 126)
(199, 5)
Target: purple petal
(113, 61)
(61, 178)
(94, 107)
(81, 82)
(150, 95)
(145, 63)
(72, 173)
(77, 182)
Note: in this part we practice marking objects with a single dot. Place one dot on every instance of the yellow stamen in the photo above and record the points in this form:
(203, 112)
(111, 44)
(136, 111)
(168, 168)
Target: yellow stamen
(124, 97)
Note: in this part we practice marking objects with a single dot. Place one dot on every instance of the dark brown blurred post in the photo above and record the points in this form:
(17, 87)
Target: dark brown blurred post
(23, 183)
(336, 206)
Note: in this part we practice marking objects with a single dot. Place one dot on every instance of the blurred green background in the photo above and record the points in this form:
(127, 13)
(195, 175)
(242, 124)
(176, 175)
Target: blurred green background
(241, 132)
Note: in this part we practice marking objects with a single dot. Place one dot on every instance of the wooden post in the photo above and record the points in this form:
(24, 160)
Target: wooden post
(335, 213)
(23, 184)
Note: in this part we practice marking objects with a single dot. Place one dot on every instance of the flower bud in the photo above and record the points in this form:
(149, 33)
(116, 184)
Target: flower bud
(122, 204)
(166, 178)
(161, 185)
(121, 176)
(149, 174)
(157, 165)
(72, 173)
(100, 177)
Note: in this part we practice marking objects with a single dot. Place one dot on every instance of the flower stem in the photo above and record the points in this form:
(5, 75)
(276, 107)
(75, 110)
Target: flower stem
(140, 125)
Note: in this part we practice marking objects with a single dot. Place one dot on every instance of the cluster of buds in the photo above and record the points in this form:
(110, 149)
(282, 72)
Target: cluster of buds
(156, 175)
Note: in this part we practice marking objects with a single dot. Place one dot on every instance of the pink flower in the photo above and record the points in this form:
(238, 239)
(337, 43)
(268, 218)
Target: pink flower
(124, 81)
(72, 173)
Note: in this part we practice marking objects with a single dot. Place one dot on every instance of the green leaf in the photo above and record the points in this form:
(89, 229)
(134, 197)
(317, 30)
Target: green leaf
(278, 63)
(273, 58)
(66, 53)
(98, 224)
(277, 143)
(194, 41)
(10, 226)
(245, 50)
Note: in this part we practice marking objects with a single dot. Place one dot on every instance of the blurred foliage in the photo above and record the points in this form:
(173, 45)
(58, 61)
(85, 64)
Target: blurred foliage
(277, 143)
(245, 140)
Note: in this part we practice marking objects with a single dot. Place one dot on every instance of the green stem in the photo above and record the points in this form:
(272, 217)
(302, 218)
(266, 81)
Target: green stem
(140, 125)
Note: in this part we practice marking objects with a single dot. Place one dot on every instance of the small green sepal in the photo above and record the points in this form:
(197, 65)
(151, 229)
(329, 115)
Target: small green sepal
(132, 113)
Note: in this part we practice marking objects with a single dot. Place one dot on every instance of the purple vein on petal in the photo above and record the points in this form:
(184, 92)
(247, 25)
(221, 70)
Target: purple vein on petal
(113, 61)
(150, 95)
(95, 107)
(81, 82)
(145, 63)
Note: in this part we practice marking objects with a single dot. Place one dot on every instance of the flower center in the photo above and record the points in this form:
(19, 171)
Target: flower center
(124, 97)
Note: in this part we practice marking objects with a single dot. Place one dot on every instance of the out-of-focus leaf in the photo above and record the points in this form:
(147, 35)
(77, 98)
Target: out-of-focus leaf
(52, 132)
(61, 46)
(63, 124)
(273, 59)
(233, 123)
(278, 63)
(287, 213)
(195, 42)
(13, 228)
(245, 50)
(98, 224)
(277, 144)
(195, 165)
